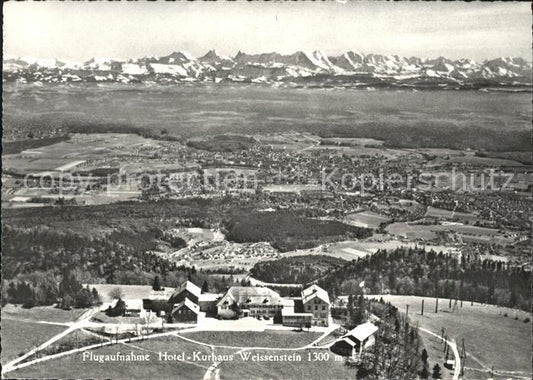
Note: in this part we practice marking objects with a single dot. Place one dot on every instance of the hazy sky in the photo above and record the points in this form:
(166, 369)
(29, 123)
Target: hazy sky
(81, 30)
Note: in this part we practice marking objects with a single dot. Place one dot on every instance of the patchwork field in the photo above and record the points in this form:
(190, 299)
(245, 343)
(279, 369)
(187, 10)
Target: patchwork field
(491, 337)
(434, 212)
(352, 249)
(78, 161)
(429, 232)
(77, 152)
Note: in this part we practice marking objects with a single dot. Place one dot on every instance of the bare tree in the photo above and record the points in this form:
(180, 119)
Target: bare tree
(116, 293)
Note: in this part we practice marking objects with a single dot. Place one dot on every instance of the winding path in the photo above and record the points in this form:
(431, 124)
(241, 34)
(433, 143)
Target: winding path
(453, 346)
(78, 324)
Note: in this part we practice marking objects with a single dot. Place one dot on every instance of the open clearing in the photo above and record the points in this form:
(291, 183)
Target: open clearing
(295, 188)
(41, 313)
(489, 336)
(19, 337)
(366, 219)
(195, 235)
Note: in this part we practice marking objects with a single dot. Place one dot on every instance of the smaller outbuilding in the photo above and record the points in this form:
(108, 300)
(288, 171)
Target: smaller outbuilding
(356, 340)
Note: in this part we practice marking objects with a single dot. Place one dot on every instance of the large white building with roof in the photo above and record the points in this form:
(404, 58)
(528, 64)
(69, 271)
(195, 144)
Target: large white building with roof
(315, 300)
(312, 308)
(252, 301)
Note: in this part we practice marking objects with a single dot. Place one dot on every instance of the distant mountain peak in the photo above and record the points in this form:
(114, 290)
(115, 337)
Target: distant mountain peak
(214, 55)
(346, 69)
(180, 57)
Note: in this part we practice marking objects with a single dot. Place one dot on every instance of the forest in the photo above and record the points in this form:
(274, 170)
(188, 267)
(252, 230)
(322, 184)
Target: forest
(44, 266)
(411, 271)
(289, 230)
(96, 244)
(47, 249)
(43, 288)
(415, 271)
(297, 269)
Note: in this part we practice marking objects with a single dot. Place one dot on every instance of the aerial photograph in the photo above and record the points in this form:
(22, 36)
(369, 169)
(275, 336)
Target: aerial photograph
(257, 190)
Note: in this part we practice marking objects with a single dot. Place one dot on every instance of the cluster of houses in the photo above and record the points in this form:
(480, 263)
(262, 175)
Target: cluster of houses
(187, 304)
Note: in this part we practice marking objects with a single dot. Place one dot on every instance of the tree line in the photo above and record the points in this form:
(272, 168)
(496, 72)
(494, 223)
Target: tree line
(289, 230)
(41, 289)
(415, 271)
(297, 269)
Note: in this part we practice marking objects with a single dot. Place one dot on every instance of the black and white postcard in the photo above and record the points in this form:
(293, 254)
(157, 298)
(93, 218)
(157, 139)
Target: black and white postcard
(292, 190)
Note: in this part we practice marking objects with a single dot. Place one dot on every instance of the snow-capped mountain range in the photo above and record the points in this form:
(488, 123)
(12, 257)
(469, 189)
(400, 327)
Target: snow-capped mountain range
(316, 68)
